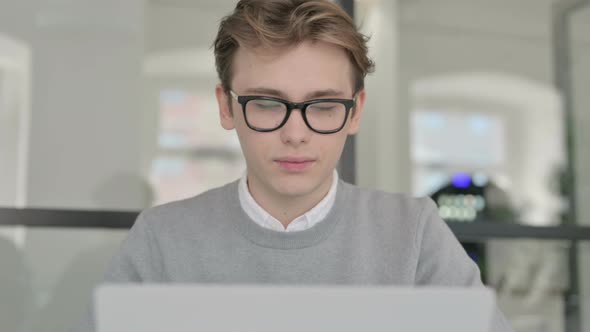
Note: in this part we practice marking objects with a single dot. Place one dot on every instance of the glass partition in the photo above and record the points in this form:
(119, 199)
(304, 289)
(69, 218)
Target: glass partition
(110, 105)
(579, 51)
(464, 108)
(485, 117)
(47, 274)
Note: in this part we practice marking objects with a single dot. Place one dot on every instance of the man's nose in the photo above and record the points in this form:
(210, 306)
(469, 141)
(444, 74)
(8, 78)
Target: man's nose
(295, 131)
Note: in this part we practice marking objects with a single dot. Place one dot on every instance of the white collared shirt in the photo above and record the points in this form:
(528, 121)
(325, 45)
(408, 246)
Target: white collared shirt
(303, 222)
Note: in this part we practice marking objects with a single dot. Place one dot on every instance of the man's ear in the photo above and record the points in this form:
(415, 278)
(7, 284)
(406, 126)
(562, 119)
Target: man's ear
(226, 117)
(357, 112)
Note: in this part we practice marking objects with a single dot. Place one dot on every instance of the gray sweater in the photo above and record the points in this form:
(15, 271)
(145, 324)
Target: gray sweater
(368, 238)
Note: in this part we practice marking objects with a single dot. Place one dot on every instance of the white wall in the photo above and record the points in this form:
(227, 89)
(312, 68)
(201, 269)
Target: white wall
(86, 105)
(15, 68)
(382, 144)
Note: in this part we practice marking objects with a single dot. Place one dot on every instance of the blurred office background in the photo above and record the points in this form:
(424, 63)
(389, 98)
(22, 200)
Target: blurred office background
(107, 107)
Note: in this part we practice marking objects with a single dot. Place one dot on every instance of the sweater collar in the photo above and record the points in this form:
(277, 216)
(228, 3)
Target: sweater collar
(307, 220)
(285, 240)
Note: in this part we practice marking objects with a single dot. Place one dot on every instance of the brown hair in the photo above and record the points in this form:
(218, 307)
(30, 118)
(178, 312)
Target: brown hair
(284, 23)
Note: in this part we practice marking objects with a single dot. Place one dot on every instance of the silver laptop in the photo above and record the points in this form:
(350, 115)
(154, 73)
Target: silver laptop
(199, 308)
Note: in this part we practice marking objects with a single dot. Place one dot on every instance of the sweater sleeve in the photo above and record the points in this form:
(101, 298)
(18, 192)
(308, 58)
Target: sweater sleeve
(443, 261)
(136, 261)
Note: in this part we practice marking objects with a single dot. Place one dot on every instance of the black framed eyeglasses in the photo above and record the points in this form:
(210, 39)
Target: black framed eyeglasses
(323, 116)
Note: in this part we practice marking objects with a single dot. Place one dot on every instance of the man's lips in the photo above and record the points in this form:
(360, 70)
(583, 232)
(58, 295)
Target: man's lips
(295, 159)
(295, 164)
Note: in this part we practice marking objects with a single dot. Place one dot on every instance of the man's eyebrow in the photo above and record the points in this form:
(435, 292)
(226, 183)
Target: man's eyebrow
(281, 94)
(324, 93)
(265, 91)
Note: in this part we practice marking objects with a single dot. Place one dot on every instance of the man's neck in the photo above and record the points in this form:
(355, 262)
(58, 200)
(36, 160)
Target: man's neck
(286, 208)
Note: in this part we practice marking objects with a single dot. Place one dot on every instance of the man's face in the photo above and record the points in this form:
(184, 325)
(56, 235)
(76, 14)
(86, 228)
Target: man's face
(292, 161)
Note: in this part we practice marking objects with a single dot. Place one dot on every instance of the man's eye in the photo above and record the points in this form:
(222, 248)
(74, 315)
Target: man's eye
(267, 105)
(324, 107)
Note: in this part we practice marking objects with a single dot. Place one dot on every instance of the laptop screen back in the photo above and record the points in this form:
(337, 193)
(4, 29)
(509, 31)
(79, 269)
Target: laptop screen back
(190, 308)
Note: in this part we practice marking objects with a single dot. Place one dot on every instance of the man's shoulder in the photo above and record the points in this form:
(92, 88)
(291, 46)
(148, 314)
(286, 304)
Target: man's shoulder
(201, 207)
(377, 197)
(383, 205)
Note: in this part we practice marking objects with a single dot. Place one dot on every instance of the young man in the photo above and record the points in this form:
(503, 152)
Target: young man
(292, 75)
